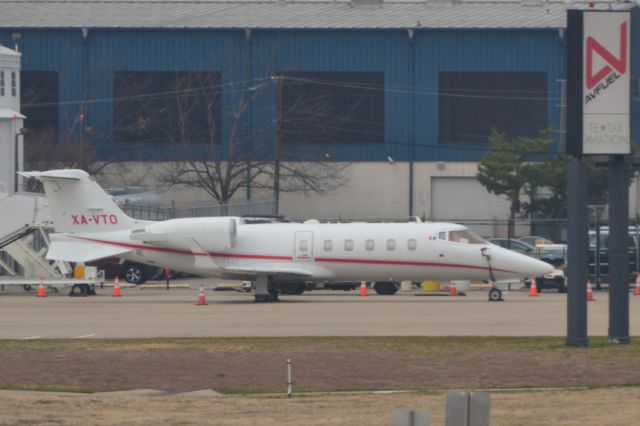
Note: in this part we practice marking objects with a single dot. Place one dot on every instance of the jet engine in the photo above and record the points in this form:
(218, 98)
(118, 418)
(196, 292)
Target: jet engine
(211, 233)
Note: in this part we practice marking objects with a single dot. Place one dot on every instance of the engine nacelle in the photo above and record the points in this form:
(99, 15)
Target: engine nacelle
(211, 233)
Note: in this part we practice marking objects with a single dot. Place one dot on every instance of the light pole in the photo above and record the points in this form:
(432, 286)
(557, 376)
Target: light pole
(16, 165)
(278, 142)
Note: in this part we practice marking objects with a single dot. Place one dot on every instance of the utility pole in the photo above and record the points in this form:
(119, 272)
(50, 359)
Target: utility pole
(278, 142)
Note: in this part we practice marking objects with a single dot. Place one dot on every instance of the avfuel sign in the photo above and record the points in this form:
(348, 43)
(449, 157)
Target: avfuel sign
(598, 82)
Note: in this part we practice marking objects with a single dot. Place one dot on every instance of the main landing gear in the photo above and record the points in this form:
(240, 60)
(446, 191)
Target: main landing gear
(495, 295)
(265, 290)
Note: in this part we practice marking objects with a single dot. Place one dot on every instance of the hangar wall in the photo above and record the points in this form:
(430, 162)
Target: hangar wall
(411, 67)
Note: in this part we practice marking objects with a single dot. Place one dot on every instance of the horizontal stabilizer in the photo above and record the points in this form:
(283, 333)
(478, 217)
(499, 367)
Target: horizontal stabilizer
(53, 174)
(82, 251)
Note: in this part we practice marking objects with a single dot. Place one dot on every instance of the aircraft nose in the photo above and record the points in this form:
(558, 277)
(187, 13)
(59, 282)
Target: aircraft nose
(520, 264)
(542, 268)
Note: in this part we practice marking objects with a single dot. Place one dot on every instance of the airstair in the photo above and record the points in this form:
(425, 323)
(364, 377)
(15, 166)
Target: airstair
(25, 220)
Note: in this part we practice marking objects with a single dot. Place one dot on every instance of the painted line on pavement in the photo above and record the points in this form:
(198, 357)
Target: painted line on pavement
(85, 336)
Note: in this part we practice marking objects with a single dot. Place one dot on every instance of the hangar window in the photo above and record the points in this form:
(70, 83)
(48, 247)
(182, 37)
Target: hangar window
(348, 245)
(166, 107)
(391, 245)
(1, 83)
(39, 98)
(412, 244)
(14, 84)
(370, 245)
(472, 103)
(332, 107)
(328, 245)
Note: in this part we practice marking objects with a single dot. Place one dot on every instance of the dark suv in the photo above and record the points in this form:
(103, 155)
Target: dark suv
(132, 272)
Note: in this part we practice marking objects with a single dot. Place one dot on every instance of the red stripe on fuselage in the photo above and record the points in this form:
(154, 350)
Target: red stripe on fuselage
(289, 258)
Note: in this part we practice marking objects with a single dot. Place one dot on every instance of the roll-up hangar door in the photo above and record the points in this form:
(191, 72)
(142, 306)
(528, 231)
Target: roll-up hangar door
(461, 199)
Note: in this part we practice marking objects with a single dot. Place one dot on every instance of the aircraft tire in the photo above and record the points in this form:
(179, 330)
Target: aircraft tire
(495, 295)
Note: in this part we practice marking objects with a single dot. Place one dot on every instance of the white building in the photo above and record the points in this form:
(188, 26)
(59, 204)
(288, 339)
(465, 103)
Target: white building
(11, 121)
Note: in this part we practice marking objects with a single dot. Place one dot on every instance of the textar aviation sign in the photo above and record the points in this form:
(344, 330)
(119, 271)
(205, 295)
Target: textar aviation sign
(606, 82)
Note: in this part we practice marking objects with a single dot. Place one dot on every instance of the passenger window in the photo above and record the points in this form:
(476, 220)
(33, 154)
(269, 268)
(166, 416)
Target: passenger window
(370, 245)
(303, 245)
(328, 245)
(412, 244)
(348, 245)
(391, 245)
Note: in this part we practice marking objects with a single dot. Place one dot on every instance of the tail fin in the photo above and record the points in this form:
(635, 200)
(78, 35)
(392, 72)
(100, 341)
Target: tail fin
(78, 204)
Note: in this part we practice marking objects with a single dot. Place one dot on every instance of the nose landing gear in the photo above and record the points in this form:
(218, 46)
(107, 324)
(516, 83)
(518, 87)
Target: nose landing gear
(495, 294)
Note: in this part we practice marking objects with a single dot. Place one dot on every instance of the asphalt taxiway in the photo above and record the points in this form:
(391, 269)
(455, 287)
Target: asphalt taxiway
(158, 312)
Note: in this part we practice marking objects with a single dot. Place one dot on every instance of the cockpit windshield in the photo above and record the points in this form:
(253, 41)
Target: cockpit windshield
(465, 236)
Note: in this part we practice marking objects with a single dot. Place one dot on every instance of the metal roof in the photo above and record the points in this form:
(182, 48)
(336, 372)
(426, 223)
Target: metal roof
(288, 14)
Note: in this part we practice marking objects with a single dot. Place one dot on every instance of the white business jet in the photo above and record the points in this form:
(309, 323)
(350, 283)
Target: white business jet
(90, 226)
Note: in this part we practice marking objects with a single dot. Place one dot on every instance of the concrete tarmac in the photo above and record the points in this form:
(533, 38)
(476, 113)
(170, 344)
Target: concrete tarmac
(153, 313)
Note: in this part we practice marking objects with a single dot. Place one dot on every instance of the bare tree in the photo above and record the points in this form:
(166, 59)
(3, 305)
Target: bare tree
(247, 154)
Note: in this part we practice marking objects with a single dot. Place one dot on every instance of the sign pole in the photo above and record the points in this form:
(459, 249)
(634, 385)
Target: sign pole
(577, 254)
(618, 250)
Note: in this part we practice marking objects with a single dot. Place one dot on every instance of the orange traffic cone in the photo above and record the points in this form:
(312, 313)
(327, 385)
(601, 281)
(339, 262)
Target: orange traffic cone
(533, 290)
(42, 291)
(636, 292)
(363, 288)
(590, 297)
(202, 300)
(453, 290)
(116, 288)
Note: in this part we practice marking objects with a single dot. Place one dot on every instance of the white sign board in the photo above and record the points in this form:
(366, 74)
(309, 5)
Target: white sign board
(606, 82)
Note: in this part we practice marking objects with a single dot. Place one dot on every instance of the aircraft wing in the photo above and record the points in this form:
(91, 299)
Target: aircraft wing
(205, 261)
(77, 251)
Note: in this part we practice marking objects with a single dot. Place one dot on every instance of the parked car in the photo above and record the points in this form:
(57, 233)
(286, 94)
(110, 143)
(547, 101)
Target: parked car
(556, 255)
(534, 241)
(602, 259)
(131, 272)
(515, 245)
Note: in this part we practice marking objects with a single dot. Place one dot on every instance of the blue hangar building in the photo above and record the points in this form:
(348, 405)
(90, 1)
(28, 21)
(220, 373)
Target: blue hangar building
(406, 90)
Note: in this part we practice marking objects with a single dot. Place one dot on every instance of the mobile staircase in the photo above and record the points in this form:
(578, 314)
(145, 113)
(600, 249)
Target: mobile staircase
(25, 221)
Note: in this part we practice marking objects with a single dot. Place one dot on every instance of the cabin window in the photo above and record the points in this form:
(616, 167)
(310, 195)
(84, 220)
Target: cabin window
(328, 245)
(348, 245)
(412, 244)
(14, 84)
(370, 245)
(303, 245)
(391, 245)
(442, 235)
(1, 83)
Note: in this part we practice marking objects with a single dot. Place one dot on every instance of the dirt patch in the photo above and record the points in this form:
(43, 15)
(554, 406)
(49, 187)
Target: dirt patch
(601, 407)
(319, 364)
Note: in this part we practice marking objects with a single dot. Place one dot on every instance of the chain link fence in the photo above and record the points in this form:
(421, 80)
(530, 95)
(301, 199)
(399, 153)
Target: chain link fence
(172, 210)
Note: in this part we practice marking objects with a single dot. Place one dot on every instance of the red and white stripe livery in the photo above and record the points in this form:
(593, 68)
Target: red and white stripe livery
(90, 226)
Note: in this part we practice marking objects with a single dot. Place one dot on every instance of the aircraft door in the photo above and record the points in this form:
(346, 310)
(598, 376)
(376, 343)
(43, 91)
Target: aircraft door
(303, 246)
